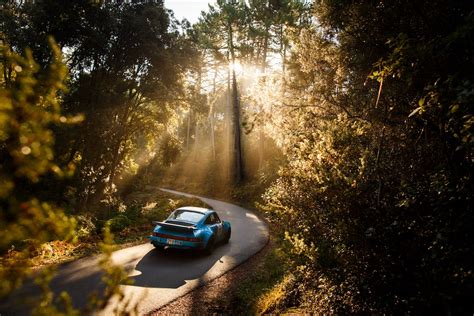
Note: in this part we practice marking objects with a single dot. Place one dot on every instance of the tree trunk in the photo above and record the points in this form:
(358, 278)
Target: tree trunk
(238, 168)
(283, 48)
(115, 162)
(196, 141)
(211, 116)
(188, 132)
(229, 123)
(261, 134)
(213, 137)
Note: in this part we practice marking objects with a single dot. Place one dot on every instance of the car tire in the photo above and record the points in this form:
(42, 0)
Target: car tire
(159, 247)
(227, 236)
(211, 244)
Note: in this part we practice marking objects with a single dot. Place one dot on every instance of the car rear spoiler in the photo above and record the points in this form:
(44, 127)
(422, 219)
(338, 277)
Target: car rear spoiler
(175, 226)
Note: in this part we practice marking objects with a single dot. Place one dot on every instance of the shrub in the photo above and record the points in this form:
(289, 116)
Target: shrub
(119, 222)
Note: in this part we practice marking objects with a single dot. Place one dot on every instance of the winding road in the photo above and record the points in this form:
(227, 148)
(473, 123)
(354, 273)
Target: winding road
(158, 277)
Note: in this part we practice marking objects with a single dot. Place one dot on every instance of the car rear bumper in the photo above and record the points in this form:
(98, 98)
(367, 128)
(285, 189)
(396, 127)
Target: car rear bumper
(173, 243)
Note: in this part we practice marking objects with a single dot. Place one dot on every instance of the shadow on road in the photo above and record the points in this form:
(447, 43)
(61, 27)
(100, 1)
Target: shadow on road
(171, 268)
(80, 279)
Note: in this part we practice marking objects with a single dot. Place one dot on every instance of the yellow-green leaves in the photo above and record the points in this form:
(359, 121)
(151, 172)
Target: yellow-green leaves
(29, 107)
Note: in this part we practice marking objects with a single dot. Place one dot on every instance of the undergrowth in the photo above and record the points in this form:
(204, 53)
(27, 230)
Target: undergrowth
(130, 222)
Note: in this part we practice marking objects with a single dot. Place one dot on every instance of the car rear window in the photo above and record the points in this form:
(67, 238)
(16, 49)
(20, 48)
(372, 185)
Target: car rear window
(184, 215)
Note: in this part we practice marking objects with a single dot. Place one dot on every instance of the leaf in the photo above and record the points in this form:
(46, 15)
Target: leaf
(421, 102)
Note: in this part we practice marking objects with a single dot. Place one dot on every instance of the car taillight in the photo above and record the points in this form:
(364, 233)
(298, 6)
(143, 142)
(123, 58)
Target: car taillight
(191, 239)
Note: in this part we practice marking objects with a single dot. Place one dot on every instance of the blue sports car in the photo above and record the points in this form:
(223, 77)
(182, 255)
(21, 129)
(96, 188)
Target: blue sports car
(191, 228)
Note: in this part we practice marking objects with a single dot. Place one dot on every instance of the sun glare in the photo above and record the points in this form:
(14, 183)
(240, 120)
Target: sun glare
(236, 66)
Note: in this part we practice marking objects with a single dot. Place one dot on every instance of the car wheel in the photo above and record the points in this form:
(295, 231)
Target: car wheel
(211, 244)
(227, 236)
(159, 247)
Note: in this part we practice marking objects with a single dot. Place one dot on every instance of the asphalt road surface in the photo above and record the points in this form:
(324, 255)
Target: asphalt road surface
(158, 277)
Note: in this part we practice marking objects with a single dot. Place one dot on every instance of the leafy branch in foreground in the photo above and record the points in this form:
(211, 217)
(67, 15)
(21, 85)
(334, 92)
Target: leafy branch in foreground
(29, 108)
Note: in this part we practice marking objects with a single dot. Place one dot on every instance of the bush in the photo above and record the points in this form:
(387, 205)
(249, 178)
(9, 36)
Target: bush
(119, 223)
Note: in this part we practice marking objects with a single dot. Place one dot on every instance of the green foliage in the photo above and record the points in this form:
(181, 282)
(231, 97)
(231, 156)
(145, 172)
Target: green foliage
(29, 108)
(118, 223)
(377, 191)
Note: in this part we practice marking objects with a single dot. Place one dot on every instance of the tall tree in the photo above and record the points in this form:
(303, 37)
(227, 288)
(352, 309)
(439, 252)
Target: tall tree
(221, 30)
(271, 25)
